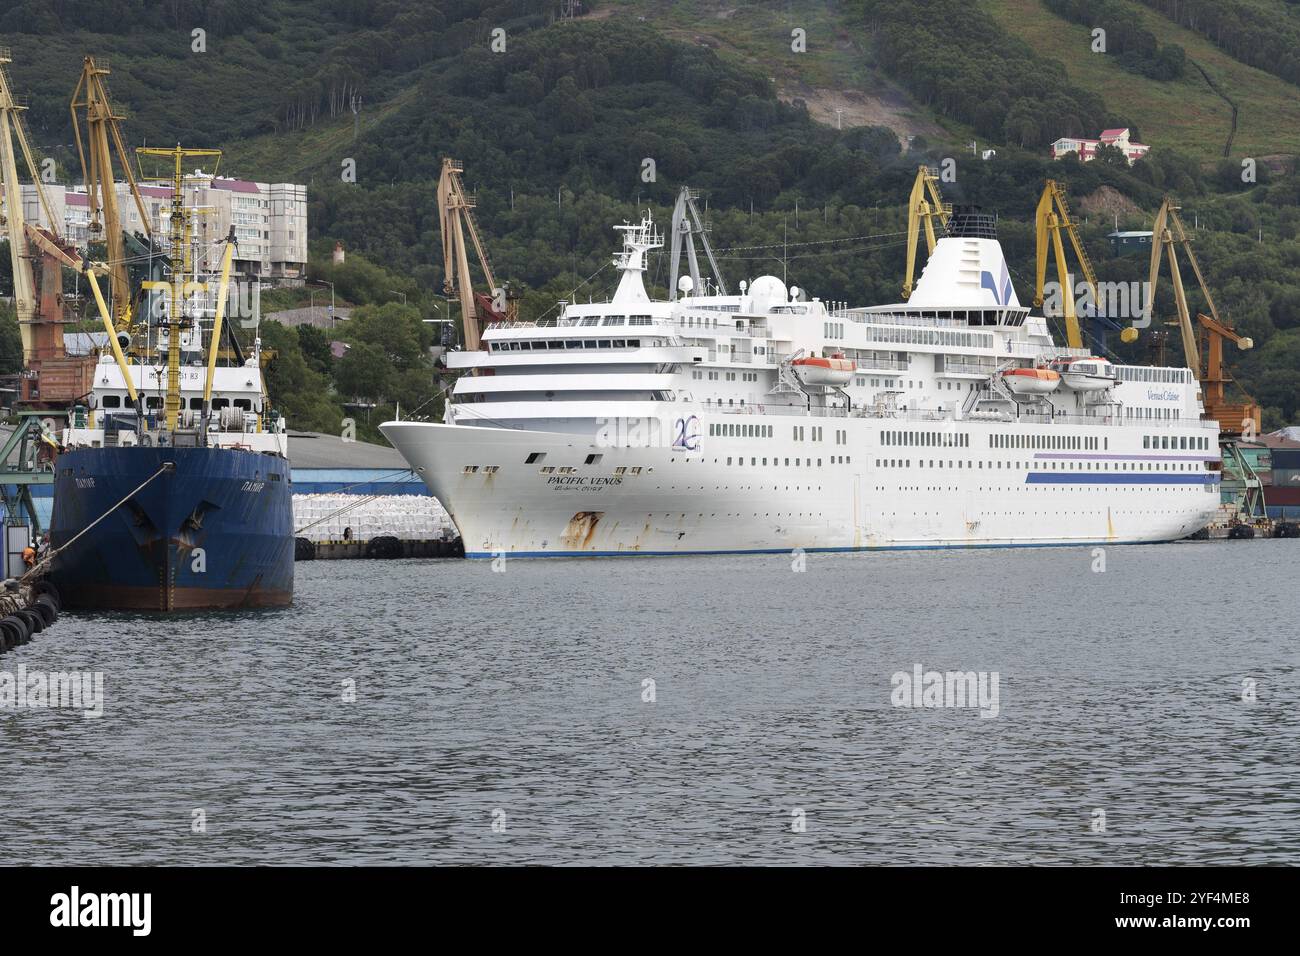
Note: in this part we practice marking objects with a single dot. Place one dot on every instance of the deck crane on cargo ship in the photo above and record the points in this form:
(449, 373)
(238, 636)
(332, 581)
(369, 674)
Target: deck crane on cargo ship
(455, 217)
(101, 132)
(1237, 421)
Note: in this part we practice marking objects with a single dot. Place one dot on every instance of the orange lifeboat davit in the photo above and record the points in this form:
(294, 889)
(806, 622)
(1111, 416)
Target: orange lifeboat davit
(1031, 381)
(818, 370)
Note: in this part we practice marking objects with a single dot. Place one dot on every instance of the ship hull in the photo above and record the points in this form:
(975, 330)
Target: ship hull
(213, 531)
(735, 495)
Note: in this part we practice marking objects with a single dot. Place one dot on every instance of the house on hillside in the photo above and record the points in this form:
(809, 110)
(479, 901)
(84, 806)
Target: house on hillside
(1087, 148)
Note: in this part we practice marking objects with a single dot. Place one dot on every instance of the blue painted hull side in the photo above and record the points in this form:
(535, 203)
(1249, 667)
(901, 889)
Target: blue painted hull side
(216, 531)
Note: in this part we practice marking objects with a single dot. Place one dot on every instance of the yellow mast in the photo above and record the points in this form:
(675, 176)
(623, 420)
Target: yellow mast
(215, 344)
(177, 233)
(112, 337)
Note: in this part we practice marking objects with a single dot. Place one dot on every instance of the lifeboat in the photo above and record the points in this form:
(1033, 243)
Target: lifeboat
(1031, 381)
(1089, 374)
(816, 370)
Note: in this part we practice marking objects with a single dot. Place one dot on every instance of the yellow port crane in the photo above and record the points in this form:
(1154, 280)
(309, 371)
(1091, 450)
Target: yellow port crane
(1167, 234)
(11, 206)
(101, 132)
(923, 207)
(455, 217)
(1051, 219)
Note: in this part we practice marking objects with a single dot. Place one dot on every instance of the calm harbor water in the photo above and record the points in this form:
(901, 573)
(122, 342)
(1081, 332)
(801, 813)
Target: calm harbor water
(518, 698)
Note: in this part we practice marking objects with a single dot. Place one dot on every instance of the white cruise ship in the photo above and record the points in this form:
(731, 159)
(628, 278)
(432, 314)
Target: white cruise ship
(765, 422)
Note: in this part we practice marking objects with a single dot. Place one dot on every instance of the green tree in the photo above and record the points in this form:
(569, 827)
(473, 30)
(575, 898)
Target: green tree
(11, 341)
(315, 345)
(302, 394)
(364, 373)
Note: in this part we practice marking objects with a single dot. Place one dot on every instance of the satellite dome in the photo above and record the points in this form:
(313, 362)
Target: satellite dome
(767, 293)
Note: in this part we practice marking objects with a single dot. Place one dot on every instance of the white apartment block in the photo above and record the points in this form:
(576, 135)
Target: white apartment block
(270, 221)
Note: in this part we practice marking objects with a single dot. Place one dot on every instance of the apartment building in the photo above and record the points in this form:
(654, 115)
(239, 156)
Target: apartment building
(269, 219)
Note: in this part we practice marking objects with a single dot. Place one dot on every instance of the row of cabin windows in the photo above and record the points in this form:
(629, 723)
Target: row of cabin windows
(798, 462)
(1043, 465)
(1131, 412)
(922, 336)
(555, 345)
(926, 439)
(1148, 373)
(155, 402)
(799, 432)
(590, 321)
(1181, 442)
(1048, 442)
(728, 430)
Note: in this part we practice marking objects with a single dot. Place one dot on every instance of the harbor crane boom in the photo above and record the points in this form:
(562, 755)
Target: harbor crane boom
(1210, 332)
(455, 217)
(1053, 217)
(686, 225)
(923, 207)
(11, 209)
(101, 130)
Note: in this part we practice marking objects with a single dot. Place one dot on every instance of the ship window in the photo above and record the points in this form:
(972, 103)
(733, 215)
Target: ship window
(619, 343)
(153, 401)
(572, 344)
(594, 459)
(535, 457)
(196, 404)
(219, 403)
(613, 320)
(555, 344)
(590, 321)
(634, 343)
(111, 401)
(244, 403)
(604, 343)
(588, 343)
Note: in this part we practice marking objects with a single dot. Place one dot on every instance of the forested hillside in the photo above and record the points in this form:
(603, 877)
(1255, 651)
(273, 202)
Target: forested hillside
(554, 131)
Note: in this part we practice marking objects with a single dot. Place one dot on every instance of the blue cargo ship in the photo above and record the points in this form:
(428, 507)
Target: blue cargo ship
(172, 487)
(210, 528)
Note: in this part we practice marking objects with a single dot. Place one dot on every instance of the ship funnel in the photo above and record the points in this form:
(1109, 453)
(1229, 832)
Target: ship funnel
(971, 222)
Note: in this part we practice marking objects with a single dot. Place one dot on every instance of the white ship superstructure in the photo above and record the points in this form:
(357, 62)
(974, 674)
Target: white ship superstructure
(766, 421)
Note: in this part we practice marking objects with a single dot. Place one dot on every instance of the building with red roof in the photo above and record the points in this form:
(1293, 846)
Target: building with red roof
(1087, 148)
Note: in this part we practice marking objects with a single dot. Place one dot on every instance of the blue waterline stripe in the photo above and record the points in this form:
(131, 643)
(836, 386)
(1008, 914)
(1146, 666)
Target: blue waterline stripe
(1207, 456)
(1122, 478)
